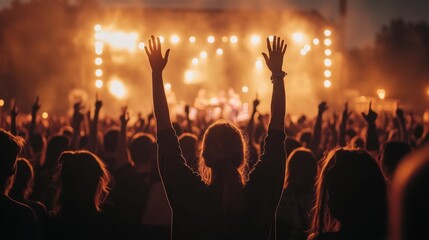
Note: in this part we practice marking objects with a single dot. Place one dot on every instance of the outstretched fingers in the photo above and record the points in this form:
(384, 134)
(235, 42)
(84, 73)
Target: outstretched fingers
(269, 45)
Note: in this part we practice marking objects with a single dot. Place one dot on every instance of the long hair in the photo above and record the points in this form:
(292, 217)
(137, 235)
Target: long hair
(350, 188)
(301, 172)
(223, 162)
(84, 180)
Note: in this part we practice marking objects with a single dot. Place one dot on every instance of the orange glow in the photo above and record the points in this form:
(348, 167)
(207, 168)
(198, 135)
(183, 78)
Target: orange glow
(233, 39)
(175, 39)
(316, 41)
(245, 89)
(45, 115)
(327, 83)
(307, 47)
(98, 83)
(161, 39)
(271, 38)
(117, 89)
(328, 62)
(225, 39)
(328, 52)
(98, 61)
(192, 39)
(98, 72)
(219, 51)
(203, 54)
(327, 32)
(195, 61)
(189, 77)
(381, 93)
(167, 86)
(328, 42)
(97, 27)
(298, 37)
(255, 39)
(1, 102)
(303, 52)
(258, 64)
(211, 39)
(141, 45)
(327, 73)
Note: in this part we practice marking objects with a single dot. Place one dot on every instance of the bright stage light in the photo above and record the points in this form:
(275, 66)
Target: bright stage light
(98, 61)
(192, 39)
(210, 39)
(225, 39)
(328, 52)
(316, 41)
(327, 83)
(99, 83)
(45, 115)
(381, 93)
(328, 62)
(99, 51)
(98, 72)
(327, 73)
(117, 89)
(175, 39)
(307, 47)
(167, 86)
(271, 38)
(195, 61)
(258, 64)
(303, 52)
(245, 89)
(189, 77)
(203, 54)
(141, 45)
(233, 39)
(298, 37)
(255, 39)
(1, 102)
(162, 39)
(97, 27)
(327, 32)
(219, 51)
(328, 42)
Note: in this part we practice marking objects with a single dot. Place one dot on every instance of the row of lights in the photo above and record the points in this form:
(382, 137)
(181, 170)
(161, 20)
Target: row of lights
(327, 61)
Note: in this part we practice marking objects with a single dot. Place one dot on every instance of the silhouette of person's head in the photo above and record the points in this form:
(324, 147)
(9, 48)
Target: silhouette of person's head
(10, 148)
(189, 145)
(66, 131)
(84, 182)
(304, 136)
(22, 186)
(110, 140)
(357, 142)
(418, 130)
(391, 155)
(37, 142)
(350, 195)
(291, 144)
(301, 172)
(143, 149)
(56, 145)
(409, 205)
(223, 153)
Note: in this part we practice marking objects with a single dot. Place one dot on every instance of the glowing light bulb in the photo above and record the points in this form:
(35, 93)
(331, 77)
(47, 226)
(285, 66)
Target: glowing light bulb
(192, 39)
(175, 39)
(210, 39)
(98, 72)
(219, 51)
(97, 27)
(328, 62)
(195, 61)
(245, 89)
(98, 61)
(298, 37)
(233, 39)
(167, 86)
(328, 42)
(45, 115)
(327, 32)
(203, 54)
(255, 39)
(327, 73)
(316, 41)
(327, 83)
(98, 83)
(328, 52)
(141, 45)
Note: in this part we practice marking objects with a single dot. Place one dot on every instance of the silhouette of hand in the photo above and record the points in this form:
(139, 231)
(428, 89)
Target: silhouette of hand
(157, 62)
(399, 112)
(333, 124)
(125, 116)
(346, 113)
(323, 106)
(77, 115)
(256, 103)
(36, 106)
(98, 103)
(14, 111)
(187, 109)
(276, 52)
(371, 116)
(150, 116)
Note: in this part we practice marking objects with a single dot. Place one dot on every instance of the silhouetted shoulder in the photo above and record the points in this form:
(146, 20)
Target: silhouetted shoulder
(17, 220)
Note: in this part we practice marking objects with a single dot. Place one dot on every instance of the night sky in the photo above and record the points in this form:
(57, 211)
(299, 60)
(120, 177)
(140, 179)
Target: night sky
(365, 17)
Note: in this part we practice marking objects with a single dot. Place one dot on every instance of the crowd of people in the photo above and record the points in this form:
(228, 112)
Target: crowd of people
(264, 178)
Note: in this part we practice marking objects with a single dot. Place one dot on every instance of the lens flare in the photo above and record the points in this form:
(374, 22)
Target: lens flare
(117, 89)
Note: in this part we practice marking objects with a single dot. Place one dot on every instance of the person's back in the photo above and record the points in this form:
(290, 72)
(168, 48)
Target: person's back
(17, 221)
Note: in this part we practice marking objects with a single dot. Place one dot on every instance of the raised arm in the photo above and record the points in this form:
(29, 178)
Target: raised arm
(76, 124)
(317, 131)
(93, 129)
(157, 63)
(13, 114)
(34, 109)
(343, 125)
(251, 125)
(371, 135)
(274, 61)
(122, 154)
(404, 136)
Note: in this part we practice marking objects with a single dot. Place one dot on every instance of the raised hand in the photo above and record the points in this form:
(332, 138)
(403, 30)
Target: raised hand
(323, 106)
(36, 106)
(14, 111)
(187, 107)
(77, 115)
(125, 116)
(276, 52)
(256, 103)
(399, 112)
(371, 116)
(154, 53)
(346, 113)
(98, 103)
